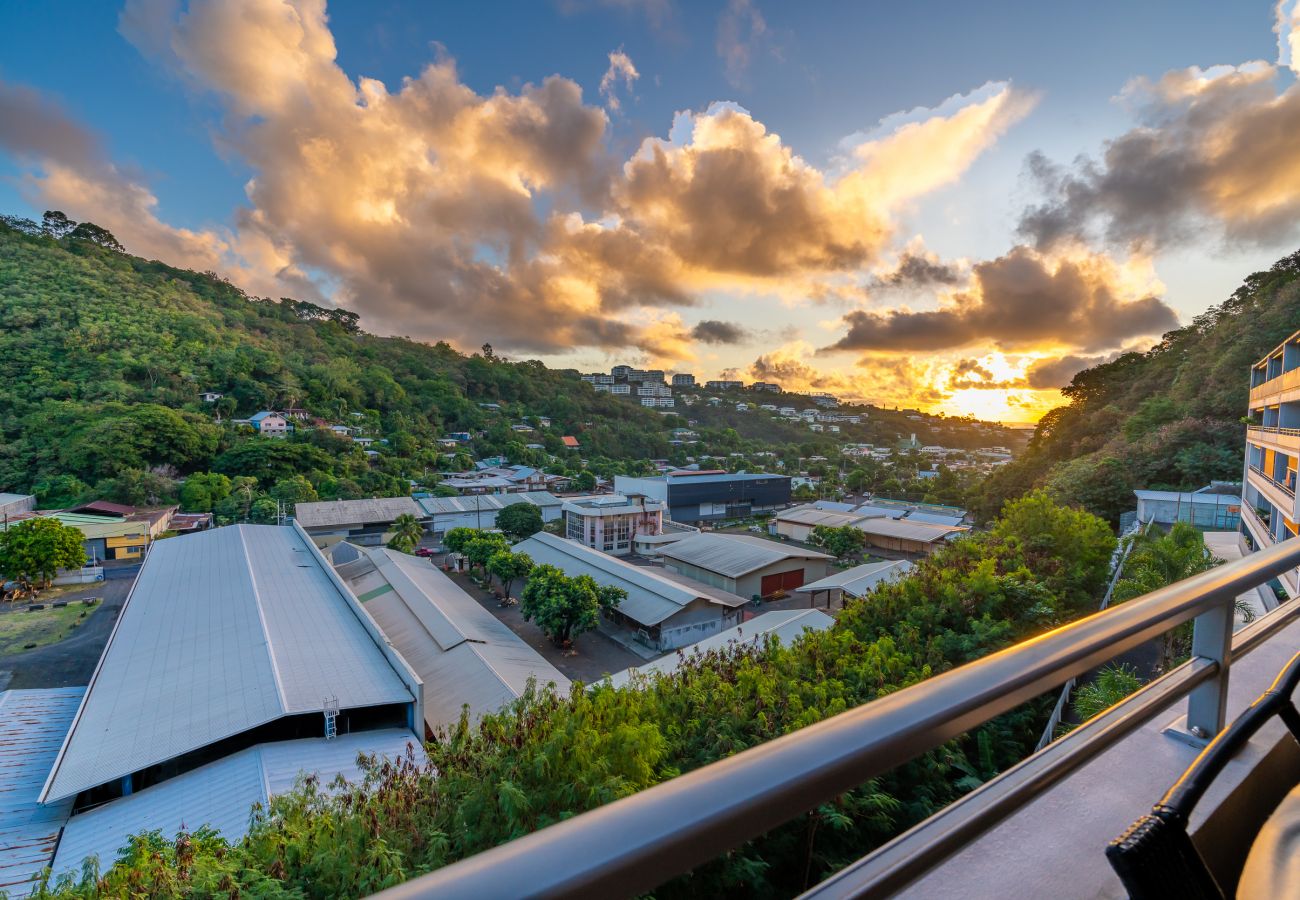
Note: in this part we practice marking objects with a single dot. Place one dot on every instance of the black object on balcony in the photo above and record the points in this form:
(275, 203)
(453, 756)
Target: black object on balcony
(1155, 857)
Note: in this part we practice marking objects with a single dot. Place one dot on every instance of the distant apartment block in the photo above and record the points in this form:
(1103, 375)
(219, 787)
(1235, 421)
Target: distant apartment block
(770, 386)
(683, 379)
(723, 385)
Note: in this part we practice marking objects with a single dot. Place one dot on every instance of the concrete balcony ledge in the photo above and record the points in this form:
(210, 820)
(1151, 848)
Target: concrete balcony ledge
(1273, 492)
(1054, 846)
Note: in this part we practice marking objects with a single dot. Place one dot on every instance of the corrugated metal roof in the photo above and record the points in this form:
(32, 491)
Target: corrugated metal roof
(833, 505)
(810, 515)
(33, 725)
(785, 624)
(462, 653)
(880, 511)
(355, 512)
(222, 793)
(652, 596)
(224, 630)
(934, 518)
(734, 555)
(859, 579)
(483, 502)
(7, 498)
(908, 530)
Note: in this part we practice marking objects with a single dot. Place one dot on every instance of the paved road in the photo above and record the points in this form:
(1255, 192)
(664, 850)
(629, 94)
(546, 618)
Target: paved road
(72, 661)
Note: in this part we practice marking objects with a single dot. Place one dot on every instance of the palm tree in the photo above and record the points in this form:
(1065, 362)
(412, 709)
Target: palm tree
(407, 532)
(1156, 561)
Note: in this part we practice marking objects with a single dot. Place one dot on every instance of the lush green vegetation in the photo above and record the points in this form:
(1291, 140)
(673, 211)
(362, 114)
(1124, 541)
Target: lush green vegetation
(547, 756)
(407, 532)
(103, 357)
(1169, 418)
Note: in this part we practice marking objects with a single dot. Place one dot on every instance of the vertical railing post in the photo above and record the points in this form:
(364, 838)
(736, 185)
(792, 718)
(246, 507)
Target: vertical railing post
(1212, 640)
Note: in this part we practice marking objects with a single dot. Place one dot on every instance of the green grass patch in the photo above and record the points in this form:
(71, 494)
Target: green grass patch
(19, 627)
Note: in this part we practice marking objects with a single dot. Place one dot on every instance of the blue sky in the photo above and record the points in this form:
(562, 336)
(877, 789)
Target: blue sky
(168, 123)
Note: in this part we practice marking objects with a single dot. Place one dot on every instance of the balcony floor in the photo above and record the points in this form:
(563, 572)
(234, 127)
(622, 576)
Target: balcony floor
(1055, 846)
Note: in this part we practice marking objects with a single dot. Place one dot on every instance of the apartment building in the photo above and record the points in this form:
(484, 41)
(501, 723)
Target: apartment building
(1269, 512)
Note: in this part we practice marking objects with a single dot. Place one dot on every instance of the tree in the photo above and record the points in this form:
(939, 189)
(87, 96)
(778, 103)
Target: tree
(59, 491)
(89, 231)
(584, 481)
(33, 551)
(202, 491)
(292, 491)
(520, 520)
(840, 542)
(56, 224)
(407, 532)
(458, 538)
(509, 567)
(483, 547)
(565, 607)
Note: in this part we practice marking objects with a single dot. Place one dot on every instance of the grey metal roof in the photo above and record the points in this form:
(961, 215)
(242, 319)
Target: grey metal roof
(734, 555)
(908, 530)
(33, 724)
(374, 511)
(481, 502)
(224, 630)
(462, 653)
(653, 595)
(859, 579)
(785, 624)
(221, 794)
(887, 512)
(934, 518)
(810, 515)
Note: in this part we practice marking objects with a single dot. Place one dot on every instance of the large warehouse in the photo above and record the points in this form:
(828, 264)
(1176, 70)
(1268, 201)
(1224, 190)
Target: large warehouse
(744, 565)
(711, 496)
(464, 655)
(233, 654)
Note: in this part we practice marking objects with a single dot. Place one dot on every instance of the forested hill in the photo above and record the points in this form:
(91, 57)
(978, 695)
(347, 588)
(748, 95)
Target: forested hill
(1169, 418)
(103, 356)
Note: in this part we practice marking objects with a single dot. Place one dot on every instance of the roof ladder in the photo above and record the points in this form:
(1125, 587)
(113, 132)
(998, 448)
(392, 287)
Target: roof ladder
(331, 708)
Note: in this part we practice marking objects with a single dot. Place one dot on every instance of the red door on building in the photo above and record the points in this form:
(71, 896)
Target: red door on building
(781, 581)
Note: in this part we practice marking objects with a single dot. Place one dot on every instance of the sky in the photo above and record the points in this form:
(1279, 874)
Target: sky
(949, 206)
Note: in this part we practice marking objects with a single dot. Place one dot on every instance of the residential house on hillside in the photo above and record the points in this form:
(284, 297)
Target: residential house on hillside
(570, 442)
(211, 396)
(269, 424)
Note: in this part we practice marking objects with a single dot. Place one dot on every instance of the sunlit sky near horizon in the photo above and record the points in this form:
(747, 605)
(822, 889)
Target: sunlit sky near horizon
(955, 206)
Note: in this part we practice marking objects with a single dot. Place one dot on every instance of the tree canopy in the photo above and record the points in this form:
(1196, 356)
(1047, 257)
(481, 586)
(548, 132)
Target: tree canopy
(33, 551)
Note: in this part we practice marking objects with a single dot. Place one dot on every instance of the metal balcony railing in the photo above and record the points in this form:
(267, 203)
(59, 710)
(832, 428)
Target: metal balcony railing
(632, 845)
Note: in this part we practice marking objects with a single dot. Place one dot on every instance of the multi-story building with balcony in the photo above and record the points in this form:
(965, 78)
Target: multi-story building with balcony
(1269, 511)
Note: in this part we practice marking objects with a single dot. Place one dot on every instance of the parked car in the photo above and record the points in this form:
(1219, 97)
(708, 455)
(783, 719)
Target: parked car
(423, 551)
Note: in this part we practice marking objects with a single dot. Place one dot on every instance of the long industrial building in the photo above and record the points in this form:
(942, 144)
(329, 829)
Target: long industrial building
(239, 659)
(464, 655)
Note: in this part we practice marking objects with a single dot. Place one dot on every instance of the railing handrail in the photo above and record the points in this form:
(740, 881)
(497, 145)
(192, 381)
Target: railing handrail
(636, 843)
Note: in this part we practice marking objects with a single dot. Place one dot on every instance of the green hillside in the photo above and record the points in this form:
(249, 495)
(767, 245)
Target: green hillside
(103, 356)
(1170, 418)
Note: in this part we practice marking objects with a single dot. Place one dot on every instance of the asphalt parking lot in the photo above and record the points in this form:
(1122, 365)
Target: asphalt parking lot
(72, 661)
